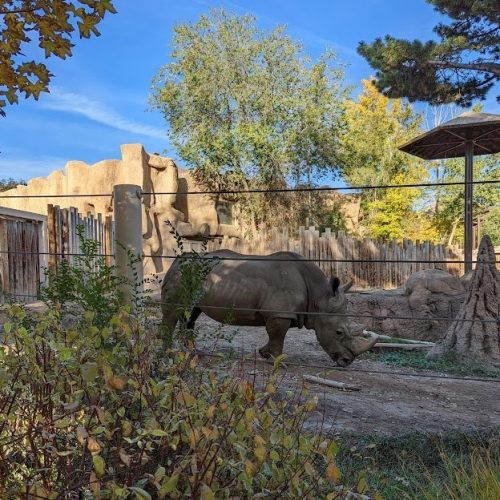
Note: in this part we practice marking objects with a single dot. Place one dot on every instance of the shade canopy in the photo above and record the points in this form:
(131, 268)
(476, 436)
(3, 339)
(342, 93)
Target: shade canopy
(449, 139)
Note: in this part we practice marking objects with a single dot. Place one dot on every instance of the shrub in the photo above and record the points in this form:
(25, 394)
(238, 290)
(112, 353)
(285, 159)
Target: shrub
(95, 408)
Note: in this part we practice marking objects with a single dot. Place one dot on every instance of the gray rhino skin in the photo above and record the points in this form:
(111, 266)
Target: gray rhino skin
(235, 288)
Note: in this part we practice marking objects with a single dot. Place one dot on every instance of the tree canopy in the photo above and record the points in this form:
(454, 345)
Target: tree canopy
(461, 67)
(51, 23)
(245, 107)
(375, 127)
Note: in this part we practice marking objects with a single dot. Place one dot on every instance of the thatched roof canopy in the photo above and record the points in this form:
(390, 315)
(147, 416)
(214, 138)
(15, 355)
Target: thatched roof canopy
(449, 139)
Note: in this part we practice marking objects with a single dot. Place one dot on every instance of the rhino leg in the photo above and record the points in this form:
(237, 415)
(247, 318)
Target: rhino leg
(195, 314)
(276, 330)
(169, 321)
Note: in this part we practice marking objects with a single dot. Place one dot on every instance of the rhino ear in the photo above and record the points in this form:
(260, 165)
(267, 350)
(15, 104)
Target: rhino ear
(335, 283)
(345, 288)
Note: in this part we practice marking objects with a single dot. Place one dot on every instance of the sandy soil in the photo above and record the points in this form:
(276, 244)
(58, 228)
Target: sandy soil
(388, 403)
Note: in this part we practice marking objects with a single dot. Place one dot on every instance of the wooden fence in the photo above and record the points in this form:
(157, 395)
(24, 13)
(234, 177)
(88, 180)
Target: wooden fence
(63, 239)
(22, 254)
(376, 270)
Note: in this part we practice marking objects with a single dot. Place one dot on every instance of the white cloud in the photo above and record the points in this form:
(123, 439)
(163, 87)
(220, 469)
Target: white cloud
(97, 111)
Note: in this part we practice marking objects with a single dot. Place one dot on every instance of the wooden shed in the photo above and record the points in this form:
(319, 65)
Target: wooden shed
(23, 249)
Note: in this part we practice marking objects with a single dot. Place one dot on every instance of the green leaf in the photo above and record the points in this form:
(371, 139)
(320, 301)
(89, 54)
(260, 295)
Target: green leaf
(140, 493)
(99, 465)
(168, 485)
(158, 433)
(89, 371)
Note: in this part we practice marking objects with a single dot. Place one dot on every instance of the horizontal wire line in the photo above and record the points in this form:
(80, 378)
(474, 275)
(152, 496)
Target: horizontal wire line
(14, 196)
(269, 259)
(256, 258)
(60, 254)
(250, 191)
(351, 369)
(317, 313)
(320, 189)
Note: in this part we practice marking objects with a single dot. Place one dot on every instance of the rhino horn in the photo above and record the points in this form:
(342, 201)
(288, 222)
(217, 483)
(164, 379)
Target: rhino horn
(361, 344)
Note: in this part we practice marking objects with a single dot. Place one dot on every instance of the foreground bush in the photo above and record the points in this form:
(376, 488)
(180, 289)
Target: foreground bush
(89, 411)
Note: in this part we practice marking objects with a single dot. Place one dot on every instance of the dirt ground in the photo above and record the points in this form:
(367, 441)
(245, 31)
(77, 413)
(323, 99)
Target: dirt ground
(388, 403)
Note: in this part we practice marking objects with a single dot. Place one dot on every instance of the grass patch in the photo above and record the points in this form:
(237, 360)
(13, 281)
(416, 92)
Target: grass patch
(453, 465)
(448, 364)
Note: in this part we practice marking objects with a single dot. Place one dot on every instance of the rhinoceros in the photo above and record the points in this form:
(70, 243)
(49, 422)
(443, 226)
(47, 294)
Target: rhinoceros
(288, 292)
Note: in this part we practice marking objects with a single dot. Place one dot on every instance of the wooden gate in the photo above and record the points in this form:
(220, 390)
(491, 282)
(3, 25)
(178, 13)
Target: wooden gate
(21, 241)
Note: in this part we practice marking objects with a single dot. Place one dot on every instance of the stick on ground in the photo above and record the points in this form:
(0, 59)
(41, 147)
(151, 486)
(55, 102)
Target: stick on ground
(330, 383)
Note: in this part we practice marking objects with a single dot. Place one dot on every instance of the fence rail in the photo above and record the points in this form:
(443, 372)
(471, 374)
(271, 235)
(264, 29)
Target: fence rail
(338, 254)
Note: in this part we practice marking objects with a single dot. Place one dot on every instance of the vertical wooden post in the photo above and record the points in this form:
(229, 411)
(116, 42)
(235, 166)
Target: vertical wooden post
(108, 248)
(51, 233)
(128, 238)
(468, 225)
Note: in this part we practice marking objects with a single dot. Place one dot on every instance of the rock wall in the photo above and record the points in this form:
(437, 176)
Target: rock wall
(191, 215)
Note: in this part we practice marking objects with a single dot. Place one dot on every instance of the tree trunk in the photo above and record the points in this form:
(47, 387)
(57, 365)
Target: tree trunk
(479, 339)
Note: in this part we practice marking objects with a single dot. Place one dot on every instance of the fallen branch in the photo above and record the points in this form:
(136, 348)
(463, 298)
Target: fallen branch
(330, 383)
(402, 347)
(404, 341)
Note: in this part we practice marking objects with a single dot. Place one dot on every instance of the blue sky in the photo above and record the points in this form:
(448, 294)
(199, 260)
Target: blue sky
(98, 97)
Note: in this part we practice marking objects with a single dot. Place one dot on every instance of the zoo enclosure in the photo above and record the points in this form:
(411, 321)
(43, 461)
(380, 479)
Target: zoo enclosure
(369, 262)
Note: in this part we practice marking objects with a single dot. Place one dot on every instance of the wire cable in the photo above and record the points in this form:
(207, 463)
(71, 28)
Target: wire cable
(359, 370)
(320, 189)
(317, 313)
(263, 258)
(256, 191)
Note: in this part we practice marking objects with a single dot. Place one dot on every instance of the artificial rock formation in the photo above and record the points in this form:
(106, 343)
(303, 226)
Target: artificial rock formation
(475, 332)
(428, 296)
(192, 216)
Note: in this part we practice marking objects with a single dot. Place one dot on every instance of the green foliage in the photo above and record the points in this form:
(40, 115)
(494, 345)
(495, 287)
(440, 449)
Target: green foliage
(87, 282)
(418, 464)
(52, 25)
(369, 155)
(461, 67)
(95, 408)
(491, 225)
(246, 108)
(446, 364)
(476, 478)
(448, 216)
(194, 268)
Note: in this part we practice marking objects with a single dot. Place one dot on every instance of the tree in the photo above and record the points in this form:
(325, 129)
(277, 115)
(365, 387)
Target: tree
(461, 67)
(247, 109)
(369, 155)
(10, 183)
(51, 23)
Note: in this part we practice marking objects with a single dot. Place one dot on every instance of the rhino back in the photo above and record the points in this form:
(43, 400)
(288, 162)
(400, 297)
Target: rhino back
(256, 282)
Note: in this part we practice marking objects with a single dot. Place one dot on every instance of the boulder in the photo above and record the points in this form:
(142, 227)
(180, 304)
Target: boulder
(428, 295)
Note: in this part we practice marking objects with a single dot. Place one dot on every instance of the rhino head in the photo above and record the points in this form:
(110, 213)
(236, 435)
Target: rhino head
(333, 332)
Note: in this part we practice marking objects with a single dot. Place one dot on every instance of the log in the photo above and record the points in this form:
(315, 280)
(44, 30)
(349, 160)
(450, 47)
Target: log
(330, 383)
(405, 341)
(475, 332)
(402, 347)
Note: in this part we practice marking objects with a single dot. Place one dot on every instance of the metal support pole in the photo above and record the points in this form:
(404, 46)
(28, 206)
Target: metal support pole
(468, 227)
(128, 238)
